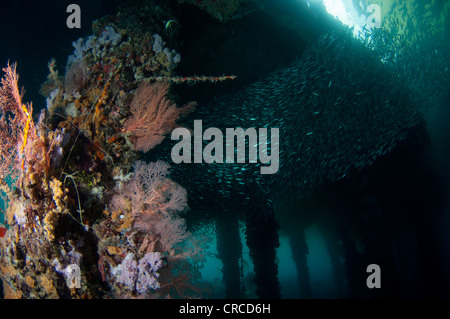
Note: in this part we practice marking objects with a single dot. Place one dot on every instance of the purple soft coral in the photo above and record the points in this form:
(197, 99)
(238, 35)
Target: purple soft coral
(148, 267)
(140, 276)
(127, 272)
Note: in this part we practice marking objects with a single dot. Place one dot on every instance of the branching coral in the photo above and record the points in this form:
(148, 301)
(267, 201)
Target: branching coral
(142, 190)
(16, 125)
(156, 232)
(21, 147)
(153, 115)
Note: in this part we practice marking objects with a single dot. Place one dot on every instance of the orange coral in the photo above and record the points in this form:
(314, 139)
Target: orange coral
(100, 101)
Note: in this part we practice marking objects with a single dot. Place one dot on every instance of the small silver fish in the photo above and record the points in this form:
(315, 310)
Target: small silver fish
(169, 23)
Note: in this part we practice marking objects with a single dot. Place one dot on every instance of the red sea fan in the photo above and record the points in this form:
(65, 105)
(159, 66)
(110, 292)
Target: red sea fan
(17, 130)
(153, 115)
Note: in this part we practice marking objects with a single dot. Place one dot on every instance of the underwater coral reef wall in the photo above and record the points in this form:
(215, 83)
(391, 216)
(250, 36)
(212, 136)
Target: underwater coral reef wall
(84, 218)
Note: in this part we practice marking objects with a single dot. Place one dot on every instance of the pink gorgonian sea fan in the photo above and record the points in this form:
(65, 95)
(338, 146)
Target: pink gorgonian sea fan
(153, 115)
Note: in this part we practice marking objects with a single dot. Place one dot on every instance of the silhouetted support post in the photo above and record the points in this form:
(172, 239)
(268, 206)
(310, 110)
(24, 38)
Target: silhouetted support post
(334, 251)
(299, 249)
(355, 268)
(295, 215)
(262, 240)
(229, 248)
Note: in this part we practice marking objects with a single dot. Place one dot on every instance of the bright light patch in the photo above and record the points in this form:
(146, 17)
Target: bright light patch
(361, 21)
